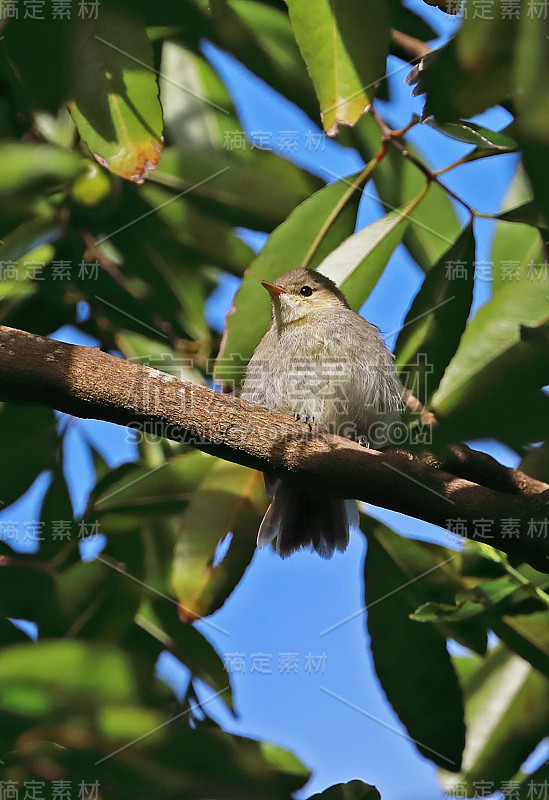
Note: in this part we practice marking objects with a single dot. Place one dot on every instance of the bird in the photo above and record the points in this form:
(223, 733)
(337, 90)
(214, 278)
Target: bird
(326, 365)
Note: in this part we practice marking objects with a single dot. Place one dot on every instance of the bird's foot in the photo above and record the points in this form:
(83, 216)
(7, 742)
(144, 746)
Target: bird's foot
(309, 421)
(363, 442)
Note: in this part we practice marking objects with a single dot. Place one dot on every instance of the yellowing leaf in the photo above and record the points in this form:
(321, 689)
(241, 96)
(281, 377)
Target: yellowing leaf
(344, 44)
(114, 97)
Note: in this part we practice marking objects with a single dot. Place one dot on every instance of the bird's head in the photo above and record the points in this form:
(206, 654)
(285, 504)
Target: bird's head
(301, 292)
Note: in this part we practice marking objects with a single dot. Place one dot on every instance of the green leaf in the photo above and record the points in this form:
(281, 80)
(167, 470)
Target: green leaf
(486, 43)
(483, 138)
(437, 317)
(344, 44)
(49, 41)
(474, 71)
(260, 37)
(24, 430)
(490, 597)
(28, 169)
(353, 790)
(231, 499)
(528, 213)
(283, 759)
(114, 96)
(203, 235)
(28, 237)
(188, 645)
(198, 111)
(358, 263)
(528, 636)
(310, 232)
(515, 245)
(30, 243)
(506, 711)
(131, 494)
(495, 360)
(96, 599)
(515, 248)
(31, 680)
(393, 587)
(405, 20)
(26, 589)
(531, 65)
(257, 190)
(435, 225)
(57, 515)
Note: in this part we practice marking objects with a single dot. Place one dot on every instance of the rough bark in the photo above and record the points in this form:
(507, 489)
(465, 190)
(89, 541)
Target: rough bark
(86, 382)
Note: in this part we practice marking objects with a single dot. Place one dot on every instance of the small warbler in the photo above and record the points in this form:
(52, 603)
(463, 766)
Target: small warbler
(323, 363)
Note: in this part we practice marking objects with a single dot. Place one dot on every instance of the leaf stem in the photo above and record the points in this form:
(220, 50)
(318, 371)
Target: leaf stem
(534, 590)
(362, 177)
(388, 135)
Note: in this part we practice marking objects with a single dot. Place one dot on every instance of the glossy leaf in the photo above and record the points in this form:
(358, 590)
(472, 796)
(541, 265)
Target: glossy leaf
(528, 636)
(197, 107)
(506, 713)
(528, 213)
(392, 589)
(434, 225)
(317, 226)
(494, 358)
(344, 45)
(469, 133)
(357, 264)
(437, 317)
(114, 96)
(260, 36)
(231, 499)
(515, 247)
(491, 598)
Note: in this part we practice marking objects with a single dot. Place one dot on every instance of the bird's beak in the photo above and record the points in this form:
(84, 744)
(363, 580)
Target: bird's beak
(273, 290)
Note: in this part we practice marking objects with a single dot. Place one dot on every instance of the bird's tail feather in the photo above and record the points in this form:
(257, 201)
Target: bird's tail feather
(301, 519)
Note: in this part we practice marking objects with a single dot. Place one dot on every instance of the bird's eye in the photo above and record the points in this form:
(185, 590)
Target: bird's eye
(305, 291)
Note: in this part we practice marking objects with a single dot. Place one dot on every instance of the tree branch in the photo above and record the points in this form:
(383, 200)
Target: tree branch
(408, 48)
(89, 383)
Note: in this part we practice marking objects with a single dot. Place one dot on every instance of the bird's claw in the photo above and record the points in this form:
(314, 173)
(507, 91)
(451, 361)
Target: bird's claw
(363, 442)
(309, 421)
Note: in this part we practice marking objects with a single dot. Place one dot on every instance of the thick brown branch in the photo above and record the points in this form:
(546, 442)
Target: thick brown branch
(86, 382)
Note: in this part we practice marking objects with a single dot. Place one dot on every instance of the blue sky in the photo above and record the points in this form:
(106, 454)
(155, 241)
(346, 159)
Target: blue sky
(281, 608)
